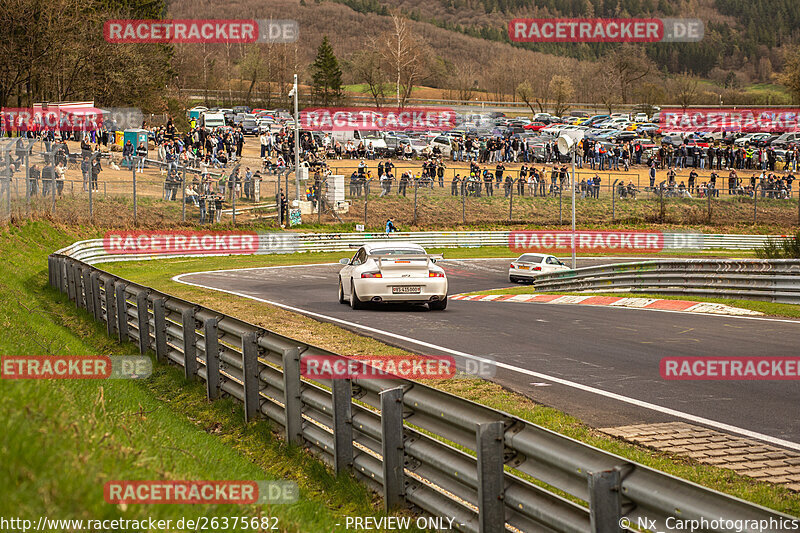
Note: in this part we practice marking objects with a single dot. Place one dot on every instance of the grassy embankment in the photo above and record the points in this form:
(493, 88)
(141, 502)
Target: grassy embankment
(62, 440)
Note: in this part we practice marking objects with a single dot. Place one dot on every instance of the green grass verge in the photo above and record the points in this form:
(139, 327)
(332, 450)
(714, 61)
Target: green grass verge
(768, 308)
(158, 274)
(61, 440)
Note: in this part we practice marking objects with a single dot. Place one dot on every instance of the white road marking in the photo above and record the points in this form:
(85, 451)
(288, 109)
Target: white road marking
(586, 388)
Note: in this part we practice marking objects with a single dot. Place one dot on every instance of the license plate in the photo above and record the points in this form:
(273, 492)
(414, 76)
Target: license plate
(524, 268)
(406, 290)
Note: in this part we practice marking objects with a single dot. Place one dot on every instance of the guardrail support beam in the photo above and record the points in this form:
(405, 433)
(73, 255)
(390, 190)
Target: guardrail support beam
(604, 501)
(111, 317)
(122, 312)
(342, 425)
(160, 329)
(143, 321)
(70, 281)
(97, 305)
(189, 343)
(292, 402)
(250, 374)
(491, 508)
(211, 335)
(392, 450)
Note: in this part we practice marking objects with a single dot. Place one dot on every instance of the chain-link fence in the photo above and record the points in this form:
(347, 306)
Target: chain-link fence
(46, 179)
(40, 179)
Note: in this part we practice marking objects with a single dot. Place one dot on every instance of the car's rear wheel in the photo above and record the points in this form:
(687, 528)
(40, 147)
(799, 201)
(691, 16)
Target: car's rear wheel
(355, 303)
(438, 305)
(341, 293)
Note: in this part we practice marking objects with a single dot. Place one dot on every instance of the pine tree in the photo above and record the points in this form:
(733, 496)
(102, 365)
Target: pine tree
(326, 75)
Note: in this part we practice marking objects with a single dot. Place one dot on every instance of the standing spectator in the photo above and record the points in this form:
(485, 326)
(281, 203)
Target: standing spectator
(86, 170)
(127, 154)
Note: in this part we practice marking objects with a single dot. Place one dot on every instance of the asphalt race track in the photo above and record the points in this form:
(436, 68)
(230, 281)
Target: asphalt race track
(599, 364)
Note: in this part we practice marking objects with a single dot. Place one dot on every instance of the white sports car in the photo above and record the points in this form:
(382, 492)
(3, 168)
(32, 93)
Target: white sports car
(526, 266)
(392, 272)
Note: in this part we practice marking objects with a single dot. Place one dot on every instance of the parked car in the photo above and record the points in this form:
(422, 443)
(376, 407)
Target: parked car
(785, 140)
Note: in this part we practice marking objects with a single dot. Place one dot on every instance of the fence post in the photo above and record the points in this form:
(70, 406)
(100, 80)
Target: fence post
(160, 329)
(511, 202)
(394, 490)
(70, 271)
(291, 392)
(463, 203)
(108, 286)
(189, 328)
(560, 212)
(755, 204)
(233, 198)
(613, 200)
(91, 188)
(605, 508)
(143, 321)
(342, 425)
(133, 169)
(416, 188)
(491, 508)
(212, 358)
(709, 193)
(183, 194)
(250, 376)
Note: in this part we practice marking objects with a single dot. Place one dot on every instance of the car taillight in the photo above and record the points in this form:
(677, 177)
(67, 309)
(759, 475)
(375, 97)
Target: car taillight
(512, 265)
(371, 275)
(536, 268)
(435, 274)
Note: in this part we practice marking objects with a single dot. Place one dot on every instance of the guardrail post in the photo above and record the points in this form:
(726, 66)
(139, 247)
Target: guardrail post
(291, 390)
(342, 425)
(108, 287)
(88, 298)
(189, 343)
(61, 263)
(97, 304)
(122, 312)
(71, 292)
(605, 507)
(394, 490)
(143, 321)
(212, 358)
(160, 329)
(250, 376)
(80, 286)
(491, 509)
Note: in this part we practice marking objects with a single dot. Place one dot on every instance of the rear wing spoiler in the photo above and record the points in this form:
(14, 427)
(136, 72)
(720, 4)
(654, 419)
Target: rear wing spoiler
(406, 258)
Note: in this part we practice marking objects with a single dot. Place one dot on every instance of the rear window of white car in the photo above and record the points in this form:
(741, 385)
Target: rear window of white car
(530, 258)
(397, 251)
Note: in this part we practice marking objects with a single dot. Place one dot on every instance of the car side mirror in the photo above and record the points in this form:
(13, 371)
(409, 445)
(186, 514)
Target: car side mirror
(344, 261)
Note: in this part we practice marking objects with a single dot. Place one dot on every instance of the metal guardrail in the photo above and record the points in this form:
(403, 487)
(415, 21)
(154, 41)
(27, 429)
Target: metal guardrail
(412, 443)
(92, 251)
(772, 280)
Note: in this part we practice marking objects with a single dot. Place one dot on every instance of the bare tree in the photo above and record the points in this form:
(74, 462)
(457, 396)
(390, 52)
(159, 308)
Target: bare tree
(562, 92)
(525, 93)
(627, 64)
(684, 87)
(405, 54)
(366, 67)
